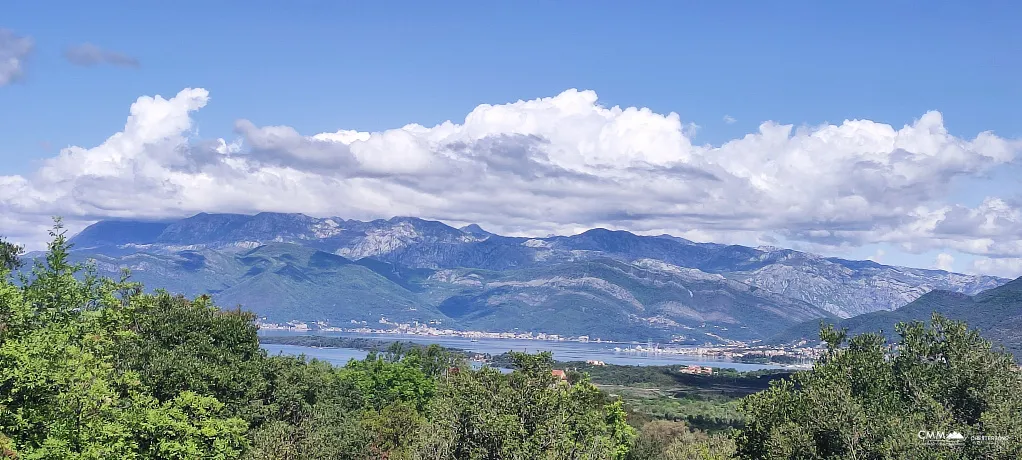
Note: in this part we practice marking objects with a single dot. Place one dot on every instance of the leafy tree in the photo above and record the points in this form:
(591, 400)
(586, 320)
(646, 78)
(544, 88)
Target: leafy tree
(189, 426)
(526, 414)
(10, 256)
(870, 399)
(374, 383)
(190, 345)
(62, 394)
(432, 360)
(393, 428)
(712, 447)
(327, 433)
(666, 440)
(655, 437)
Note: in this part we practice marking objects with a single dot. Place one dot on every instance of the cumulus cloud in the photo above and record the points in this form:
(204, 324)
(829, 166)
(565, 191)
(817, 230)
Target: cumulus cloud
(87, 55)
(1008, 267)
(729, 119)
(944, 262)
(14, 49)
(993, 218)
(550, 165)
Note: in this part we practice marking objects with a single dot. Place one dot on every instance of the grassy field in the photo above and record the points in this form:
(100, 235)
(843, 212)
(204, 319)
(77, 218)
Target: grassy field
(705, 402)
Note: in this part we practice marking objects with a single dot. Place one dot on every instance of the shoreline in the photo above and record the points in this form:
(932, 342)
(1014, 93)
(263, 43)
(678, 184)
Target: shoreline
(565, 351)
(448, 334)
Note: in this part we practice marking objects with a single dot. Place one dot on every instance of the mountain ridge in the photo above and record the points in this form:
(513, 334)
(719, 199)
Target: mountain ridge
(403, 249)
(173, 228)
(996, 313)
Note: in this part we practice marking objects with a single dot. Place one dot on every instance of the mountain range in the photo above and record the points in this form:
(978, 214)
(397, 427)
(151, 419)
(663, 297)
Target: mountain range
(997, 313)
(602, 283)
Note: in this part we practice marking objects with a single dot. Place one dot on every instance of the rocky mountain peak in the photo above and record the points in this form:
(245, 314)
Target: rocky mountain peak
(475, 230)
(842, 287)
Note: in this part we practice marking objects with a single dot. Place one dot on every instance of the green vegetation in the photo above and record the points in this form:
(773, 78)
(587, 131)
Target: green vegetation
(723, 381)
(763, 358)
(996, 313)
(528, 299)
(356, 343)
(10, 255)
(712, 414)
(870, 399)
(665, 440)
(280, 282)
(307, 281)
(662, 393)
(94, 368)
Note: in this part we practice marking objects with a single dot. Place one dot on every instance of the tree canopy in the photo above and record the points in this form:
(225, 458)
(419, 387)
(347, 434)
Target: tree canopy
(871, 399)
(94, 368)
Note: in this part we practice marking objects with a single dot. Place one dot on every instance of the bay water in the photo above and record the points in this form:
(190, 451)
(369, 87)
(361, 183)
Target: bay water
(561, 350)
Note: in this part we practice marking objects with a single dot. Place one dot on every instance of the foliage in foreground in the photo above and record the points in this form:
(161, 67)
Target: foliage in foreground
(93, 368)
(871, 399)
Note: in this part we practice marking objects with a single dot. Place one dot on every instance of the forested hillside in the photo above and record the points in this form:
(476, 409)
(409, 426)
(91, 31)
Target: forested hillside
(996, 313)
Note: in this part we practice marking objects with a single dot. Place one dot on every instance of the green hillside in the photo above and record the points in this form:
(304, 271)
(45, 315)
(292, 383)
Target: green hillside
(996, 313)
(282, 282)
(606, 296)
(603, 298)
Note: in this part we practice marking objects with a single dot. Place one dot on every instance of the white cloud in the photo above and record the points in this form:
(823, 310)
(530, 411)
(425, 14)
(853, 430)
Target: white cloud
(1010, 267)
(944, 262)
(729, 119)
(878, 256)
(993, 218)
(13, 51)
(550, 165)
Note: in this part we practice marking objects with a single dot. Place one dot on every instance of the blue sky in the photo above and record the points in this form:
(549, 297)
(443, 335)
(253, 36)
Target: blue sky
(324, 66)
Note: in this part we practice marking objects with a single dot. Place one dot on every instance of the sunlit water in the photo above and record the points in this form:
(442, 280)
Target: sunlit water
(335, 356)
(562, 351)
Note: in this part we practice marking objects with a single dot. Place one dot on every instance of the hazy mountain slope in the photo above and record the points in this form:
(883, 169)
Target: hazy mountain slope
(287, 283)
(282, 282)
(622, 299)
(187, 272)
(602, 297)
(405, 251)
(842, 287)
(114, 233)
(846, 292)
(845, 288)
(997, 313)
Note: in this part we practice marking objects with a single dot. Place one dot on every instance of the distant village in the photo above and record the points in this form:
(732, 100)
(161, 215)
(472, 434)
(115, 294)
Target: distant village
(417, 328)
(801, 356)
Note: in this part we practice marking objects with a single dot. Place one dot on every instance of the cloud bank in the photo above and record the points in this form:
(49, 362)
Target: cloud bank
(88, 55)
(553, 165)
(13, 51)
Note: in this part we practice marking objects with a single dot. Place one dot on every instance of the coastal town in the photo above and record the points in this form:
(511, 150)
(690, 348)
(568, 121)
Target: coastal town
(801, 356)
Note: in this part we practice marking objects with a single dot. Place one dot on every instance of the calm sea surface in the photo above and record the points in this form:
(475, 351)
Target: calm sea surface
(562, 351)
